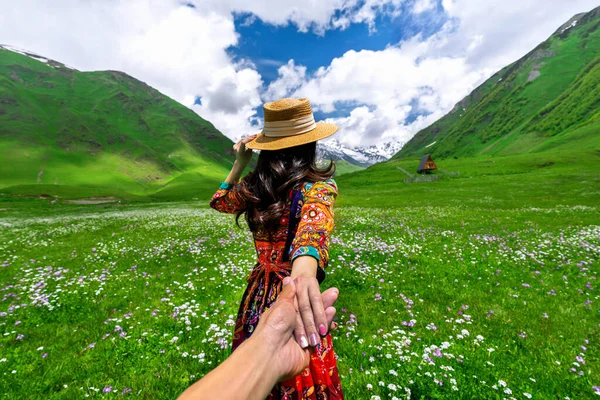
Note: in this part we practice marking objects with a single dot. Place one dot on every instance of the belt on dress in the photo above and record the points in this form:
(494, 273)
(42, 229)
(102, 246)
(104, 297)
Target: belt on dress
(261, 273)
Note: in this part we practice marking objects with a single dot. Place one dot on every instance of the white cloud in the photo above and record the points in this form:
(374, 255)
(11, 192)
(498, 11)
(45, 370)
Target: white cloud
(291, 77)
(421, 6)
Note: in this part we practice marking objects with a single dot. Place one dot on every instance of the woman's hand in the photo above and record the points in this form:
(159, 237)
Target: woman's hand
(242, 154)
(311, 321)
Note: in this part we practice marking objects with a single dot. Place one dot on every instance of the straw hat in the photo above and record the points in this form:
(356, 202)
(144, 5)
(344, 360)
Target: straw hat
(288, 123)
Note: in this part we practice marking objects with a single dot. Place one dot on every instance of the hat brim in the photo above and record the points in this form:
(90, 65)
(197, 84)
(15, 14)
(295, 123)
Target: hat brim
(262, 142)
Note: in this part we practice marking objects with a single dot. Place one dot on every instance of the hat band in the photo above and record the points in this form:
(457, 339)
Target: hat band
(289, 128)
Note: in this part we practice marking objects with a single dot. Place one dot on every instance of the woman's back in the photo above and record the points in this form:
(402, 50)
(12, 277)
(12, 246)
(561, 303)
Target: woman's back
(312, 235)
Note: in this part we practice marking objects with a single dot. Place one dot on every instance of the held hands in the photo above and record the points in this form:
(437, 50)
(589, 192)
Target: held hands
(242, 154)
(277, 324)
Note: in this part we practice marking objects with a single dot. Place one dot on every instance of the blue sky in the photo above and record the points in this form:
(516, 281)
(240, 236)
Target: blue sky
(380, 69)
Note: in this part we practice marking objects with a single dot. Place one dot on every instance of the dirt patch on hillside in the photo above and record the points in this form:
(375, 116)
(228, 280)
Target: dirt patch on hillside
(535, 72)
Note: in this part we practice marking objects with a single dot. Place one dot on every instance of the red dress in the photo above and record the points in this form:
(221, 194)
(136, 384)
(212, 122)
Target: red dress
(320, 381)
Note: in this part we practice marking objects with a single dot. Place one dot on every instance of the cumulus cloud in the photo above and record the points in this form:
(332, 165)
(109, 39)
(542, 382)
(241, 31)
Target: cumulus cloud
(291, 77)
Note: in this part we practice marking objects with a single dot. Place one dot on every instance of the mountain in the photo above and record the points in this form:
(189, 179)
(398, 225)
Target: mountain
(361, 157)
(547, 99)
(73, 133)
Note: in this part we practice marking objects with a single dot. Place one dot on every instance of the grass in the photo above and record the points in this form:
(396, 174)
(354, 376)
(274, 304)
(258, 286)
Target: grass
(502, 182)
(481, 285)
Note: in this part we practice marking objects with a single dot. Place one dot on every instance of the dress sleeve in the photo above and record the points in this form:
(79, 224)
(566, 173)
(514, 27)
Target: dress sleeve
(316, 222)
(227, 199)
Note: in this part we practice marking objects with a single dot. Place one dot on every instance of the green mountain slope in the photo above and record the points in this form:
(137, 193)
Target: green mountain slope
(550, 93)
(75, 133)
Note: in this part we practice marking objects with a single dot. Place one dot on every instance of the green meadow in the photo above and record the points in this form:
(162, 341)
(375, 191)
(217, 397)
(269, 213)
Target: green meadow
(480, 285)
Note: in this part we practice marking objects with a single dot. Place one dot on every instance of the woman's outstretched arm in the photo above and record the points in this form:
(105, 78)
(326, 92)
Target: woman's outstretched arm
(309, 252)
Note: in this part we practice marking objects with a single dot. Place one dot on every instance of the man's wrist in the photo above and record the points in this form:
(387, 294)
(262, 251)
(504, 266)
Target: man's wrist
(261, 350)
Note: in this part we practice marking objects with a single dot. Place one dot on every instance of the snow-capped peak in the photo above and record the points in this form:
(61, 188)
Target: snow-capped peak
(361, 156)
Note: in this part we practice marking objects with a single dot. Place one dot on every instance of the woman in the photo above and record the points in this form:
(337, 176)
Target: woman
(288, 205)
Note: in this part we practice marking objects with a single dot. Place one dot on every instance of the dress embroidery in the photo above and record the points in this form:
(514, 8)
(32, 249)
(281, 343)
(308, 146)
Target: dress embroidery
(320, 381)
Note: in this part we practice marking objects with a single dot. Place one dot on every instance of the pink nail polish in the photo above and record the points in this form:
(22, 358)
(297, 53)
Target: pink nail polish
(322, 330)
(313, 340)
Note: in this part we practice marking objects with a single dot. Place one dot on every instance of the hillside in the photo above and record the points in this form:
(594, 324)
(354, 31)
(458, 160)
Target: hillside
(71, 133)
(547, 99)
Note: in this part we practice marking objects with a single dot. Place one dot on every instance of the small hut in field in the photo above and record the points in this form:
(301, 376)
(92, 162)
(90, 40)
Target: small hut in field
(426, 165)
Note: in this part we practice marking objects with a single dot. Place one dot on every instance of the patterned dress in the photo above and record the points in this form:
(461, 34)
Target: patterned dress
(320, 381)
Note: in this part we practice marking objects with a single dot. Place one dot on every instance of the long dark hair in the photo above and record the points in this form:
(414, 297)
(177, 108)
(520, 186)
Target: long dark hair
(266, 189)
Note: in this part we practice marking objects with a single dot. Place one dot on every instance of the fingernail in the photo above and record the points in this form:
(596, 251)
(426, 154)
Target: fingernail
(322, 330)
(303, 342)
(286, 280)
(313, 340)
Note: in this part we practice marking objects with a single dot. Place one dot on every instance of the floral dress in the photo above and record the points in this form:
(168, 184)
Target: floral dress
(320, 380)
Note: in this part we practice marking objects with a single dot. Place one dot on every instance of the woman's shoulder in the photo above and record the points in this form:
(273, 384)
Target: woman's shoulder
(328, 186)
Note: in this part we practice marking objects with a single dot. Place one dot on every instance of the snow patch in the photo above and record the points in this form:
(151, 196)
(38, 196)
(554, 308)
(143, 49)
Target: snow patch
(42, 59)
(573, 25)
(430, 144)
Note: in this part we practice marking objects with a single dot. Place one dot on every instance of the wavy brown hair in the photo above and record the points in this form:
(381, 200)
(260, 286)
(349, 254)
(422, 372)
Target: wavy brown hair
(266, 189)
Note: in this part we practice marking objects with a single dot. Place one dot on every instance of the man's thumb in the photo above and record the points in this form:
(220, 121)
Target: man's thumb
(289, 289)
